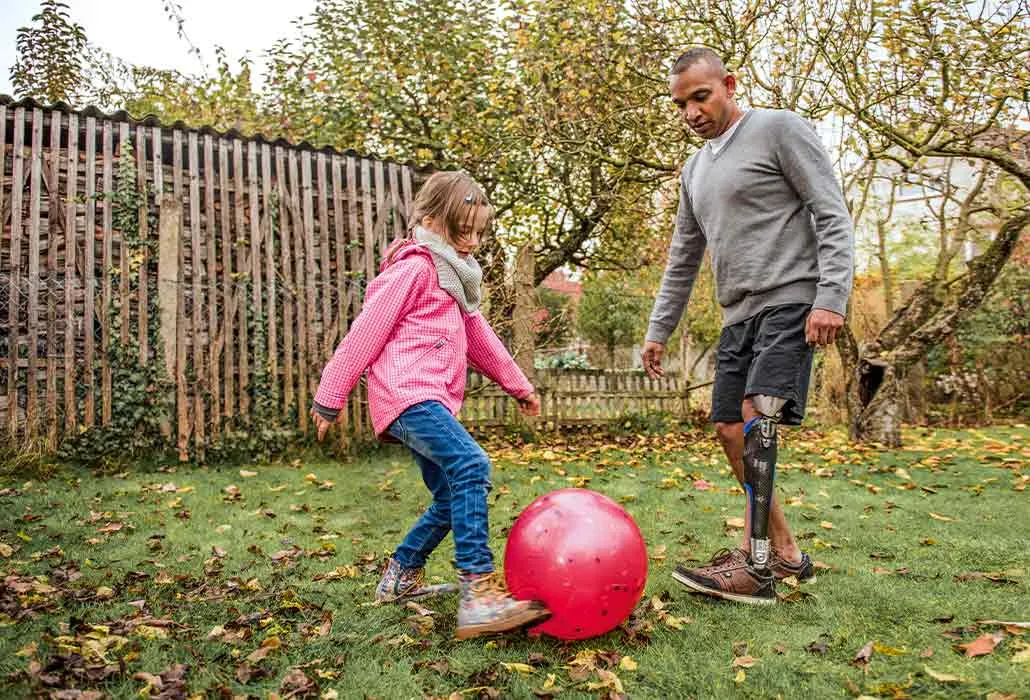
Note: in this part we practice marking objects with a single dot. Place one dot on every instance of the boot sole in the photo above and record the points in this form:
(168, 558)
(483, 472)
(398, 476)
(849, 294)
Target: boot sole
(734, 597)
(421, 596)
(532, 616)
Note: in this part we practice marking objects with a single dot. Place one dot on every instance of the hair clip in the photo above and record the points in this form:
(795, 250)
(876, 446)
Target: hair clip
(468, 198)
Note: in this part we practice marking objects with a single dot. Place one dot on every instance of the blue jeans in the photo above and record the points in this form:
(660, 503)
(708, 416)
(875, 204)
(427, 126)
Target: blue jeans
(456, 471)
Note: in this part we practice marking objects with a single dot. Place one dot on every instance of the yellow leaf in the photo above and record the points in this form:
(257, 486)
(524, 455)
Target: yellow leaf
(826, 525)
(739, 678)
(628, 664)
(888, 651)
(518, 668)
(942, 518)
(942, 677)
(148, 632)
(1022, 657)
(310, 477)
(6, 550)
(735, 522)
(246, 474)
(104, 593)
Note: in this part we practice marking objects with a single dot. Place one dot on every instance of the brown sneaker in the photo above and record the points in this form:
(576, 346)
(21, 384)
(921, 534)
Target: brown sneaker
(486, 607)
(730, 576)
(803, 571)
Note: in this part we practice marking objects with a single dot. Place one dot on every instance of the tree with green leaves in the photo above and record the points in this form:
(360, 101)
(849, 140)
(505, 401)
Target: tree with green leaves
(610, 313)
(51, 52)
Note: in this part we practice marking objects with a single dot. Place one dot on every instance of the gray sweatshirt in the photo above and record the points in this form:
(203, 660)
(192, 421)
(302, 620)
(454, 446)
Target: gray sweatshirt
(769, 208)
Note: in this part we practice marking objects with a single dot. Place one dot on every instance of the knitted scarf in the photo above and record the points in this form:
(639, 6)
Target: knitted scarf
(461, 277)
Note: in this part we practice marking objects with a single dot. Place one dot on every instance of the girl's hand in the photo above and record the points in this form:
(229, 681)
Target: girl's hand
(530, 405)
(322, 425)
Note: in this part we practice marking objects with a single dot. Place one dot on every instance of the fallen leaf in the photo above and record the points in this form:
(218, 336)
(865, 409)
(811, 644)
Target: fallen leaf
(247, 474)
(105, 593)
(889, 651)
(1021, 625)
(942, 518)
(517, 667)
(819, 646)
(268, 646)
(735, 523)
(1021, 657)
(626, 663)
(740, 677)
(826, 525)
(744, 662)
(941, 677)
(982, 645)
(864, 654)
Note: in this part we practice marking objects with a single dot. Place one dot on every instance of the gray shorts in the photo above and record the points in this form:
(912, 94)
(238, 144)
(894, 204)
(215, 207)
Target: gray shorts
(766, 354)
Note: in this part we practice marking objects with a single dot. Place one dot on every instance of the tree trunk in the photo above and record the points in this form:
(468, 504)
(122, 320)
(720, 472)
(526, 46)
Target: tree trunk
(874, 392)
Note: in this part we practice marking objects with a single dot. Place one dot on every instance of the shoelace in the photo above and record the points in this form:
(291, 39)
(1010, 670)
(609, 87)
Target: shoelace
(722, 555)
(491, 584)
(412, 577)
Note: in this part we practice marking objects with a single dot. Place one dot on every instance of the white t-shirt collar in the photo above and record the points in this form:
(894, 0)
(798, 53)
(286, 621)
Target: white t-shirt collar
(719, 142)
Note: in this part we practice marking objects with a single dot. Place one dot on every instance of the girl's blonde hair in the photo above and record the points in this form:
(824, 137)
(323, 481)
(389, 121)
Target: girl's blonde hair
(450, 198)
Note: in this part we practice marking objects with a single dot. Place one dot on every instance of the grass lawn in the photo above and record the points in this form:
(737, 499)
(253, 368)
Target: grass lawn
(222, 582)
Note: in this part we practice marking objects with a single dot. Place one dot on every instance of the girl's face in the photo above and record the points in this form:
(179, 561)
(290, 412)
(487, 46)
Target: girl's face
(471, 229)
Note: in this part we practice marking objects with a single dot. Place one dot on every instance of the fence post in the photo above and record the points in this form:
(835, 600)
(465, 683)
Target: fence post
(522, 327)
(169, 238)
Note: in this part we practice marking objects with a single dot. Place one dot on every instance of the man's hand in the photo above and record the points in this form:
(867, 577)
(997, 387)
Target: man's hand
(530, 405)
(822, 326)
(322, 425)
(651, 356)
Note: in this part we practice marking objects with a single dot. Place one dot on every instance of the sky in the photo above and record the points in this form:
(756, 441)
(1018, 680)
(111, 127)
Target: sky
(139, 31)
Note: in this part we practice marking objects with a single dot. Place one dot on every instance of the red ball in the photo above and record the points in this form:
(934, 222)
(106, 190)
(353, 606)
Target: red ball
(582, 555)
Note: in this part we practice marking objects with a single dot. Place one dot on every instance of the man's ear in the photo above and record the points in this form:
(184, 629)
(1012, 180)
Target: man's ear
(730, 81)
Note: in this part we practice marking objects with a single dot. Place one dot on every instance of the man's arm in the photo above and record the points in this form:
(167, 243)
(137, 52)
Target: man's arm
(685, 254)
(808, 169)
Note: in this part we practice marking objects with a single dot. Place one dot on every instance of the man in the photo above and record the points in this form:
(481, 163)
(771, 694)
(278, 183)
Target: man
(762, 197)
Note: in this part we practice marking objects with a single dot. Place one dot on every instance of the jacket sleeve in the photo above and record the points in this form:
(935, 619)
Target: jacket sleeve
(488, 356)
(390, 296)
(685, 255)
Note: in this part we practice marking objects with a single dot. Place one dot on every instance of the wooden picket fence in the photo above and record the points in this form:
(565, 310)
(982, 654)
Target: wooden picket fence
(578, 396)
(245, 228)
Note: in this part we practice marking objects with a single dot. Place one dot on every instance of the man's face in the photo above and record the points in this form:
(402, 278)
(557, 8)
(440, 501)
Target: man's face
(704, 98)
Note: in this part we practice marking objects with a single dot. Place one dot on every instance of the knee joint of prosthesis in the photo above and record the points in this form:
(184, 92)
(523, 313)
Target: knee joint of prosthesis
(760, 471)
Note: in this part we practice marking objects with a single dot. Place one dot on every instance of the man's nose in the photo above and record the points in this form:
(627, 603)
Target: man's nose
(691, 113)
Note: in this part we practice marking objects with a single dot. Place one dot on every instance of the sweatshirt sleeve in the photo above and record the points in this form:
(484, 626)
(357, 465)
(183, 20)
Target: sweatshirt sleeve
(390, 296)
(487, 355)
(685, 254)
(808, 169)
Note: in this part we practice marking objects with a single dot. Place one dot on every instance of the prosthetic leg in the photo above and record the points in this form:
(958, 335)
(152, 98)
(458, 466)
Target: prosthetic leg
(760, 471)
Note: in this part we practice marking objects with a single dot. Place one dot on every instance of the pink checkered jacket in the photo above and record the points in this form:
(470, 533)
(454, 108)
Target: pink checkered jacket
(416, 343)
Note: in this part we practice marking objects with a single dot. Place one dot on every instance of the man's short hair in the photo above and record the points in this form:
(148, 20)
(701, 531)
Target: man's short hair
(697, 54)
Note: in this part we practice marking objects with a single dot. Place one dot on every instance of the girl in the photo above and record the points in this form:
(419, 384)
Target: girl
(417, 332)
